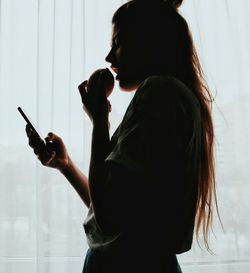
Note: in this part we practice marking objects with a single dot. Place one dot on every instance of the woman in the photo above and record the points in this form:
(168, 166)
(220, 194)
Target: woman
(152, 184)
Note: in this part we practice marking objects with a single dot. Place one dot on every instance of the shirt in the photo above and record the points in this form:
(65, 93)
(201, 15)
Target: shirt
(159, 143)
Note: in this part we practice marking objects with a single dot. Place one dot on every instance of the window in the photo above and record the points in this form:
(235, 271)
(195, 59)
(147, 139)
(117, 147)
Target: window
(46, 49)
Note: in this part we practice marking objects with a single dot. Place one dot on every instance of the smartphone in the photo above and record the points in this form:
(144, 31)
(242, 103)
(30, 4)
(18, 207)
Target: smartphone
(28, 121)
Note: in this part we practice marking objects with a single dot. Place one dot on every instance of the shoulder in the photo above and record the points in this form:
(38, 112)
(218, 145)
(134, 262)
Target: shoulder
(161, 82)
(165, 92)
(155, 87)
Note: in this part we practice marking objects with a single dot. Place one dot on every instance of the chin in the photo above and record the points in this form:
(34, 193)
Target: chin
(127, 86)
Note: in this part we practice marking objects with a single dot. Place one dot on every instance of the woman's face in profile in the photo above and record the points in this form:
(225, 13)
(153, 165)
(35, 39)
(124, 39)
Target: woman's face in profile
(127, 60)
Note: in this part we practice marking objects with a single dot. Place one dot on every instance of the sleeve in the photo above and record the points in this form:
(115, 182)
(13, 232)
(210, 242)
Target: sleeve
(153, 131)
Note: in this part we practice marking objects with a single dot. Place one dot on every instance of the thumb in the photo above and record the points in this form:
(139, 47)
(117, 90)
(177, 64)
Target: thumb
(53, 138)
(109, 106)
(82, 90)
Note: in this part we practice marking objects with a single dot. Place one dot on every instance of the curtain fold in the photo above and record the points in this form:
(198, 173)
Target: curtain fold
(47, 48)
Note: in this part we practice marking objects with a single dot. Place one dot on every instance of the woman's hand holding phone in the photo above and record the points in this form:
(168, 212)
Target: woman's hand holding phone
(51, 153)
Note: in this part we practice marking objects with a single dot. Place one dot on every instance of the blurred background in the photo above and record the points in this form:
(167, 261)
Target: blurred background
(47, 48)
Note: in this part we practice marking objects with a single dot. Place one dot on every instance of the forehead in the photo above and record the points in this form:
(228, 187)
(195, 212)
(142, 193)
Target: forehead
(115, 31)
(123, 34)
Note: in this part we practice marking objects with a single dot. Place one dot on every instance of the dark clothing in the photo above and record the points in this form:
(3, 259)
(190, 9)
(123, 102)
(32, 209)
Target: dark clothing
(98, 262)
(152, 176)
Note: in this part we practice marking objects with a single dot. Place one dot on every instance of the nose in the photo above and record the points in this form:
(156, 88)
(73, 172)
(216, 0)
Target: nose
(110, 57)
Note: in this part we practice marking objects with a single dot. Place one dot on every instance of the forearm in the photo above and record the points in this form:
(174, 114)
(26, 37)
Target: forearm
(100, 149)
(78, 180)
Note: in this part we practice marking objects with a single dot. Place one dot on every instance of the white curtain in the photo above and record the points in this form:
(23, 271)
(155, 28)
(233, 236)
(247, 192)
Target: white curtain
(47, 47)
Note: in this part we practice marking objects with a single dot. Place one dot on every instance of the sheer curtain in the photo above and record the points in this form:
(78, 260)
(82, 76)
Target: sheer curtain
(47, 47)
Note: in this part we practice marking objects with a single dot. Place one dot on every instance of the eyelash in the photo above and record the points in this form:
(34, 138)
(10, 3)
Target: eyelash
(115, 43)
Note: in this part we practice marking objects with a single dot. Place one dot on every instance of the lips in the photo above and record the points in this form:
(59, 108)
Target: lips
(115, 69)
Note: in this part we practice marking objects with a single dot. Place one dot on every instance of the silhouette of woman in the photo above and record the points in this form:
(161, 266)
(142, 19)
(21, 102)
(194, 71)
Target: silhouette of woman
(152, 184)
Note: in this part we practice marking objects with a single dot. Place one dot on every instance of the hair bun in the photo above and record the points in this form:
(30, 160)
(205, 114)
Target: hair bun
(174, 3)
(171, 3)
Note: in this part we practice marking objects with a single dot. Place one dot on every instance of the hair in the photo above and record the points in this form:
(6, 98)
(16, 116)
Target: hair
(170, 50)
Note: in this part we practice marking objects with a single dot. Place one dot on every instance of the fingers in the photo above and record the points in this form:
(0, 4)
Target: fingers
(55, 144)
(34, 139)
(94, 98)
(51, 152)
(39, 147)
(82, 90)
(53, 138)
(28, 130)
(109, 106)
(48, 159)
(45, 153)
(100, 80)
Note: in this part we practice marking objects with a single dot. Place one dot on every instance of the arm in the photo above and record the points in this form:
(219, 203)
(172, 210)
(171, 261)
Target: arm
(97, 108)
(57, 157)
(100, 149)
(78, 180)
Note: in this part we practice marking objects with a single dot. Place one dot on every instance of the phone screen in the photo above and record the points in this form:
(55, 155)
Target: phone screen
(28, 121)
